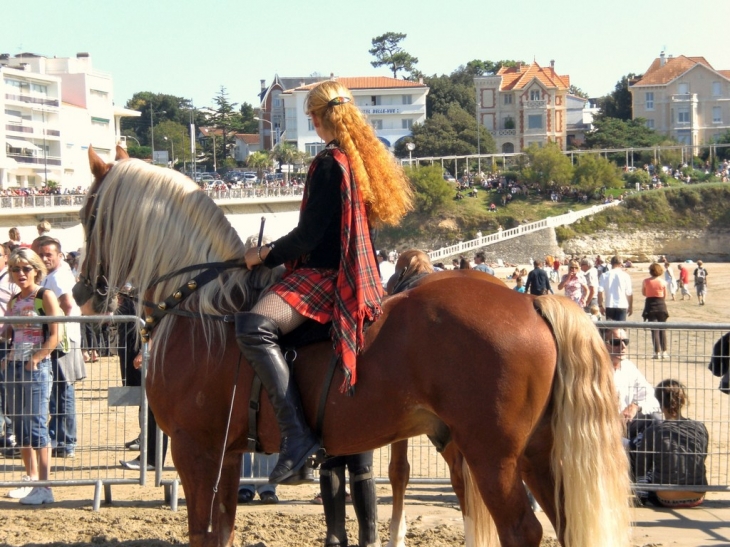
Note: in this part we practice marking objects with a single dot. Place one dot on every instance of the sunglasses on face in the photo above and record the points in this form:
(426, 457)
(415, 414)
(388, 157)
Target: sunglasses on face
(24, 269)
(618, 341)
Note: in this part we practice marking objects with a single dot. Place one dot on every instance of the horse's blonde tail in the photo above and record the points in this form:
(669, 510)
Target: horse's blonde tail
(588, 460)
(479, 528)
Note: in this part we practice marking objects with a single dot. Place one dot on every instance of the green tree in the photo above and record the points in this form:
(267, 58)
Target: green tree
(723, 152)
(387, 52)
(226, 118)
(453, 133)
(578, 92)
(616, 133)
(163, 107)
(617, 104)
(547, 166)
(261, 161)
(248, 124)
(594, 172)
(171, 135)
(432, 191)
(286, 154)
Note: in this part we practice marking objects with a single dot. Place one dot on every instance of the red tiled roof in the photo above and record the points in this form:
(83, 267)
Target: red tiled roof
(248, 138)
(370, 82)
(672, 69)
(518, 77)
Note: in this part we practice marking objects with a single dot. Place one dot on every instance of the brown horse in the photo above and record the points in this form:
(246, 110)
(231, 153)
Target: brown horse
(411, 271)
(523, 391)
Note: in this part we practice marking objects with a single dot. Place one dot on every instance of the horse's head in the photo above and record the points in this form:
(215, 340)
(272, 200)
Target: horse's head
(410, 264)
(91, 292)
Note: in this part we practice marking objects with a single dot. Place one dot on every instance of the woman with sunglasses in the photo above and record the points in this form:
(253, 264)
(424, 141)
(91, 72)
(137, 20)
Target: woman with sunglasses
(28, 373)
(574, 284)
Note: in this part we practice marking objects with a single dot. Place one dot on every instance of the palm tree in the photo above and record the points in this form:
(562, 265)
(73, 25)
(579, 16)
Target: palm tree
(260, 161)
(285, 153)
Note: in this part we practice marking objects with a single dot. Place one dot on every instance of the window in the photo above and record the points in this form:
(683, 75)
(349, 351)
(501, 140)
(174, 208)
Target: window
(377, 124)
(716, 89)
(535, 95)
(508, 99)
(310, 125)
(314, 148)
(375, 100)
(99, 93)
(650, 124)
(716, 114)
(38, 89)
(683, 89)
(407, 99)
(102, 122)
(406, 123)
(534, 121)
(650, 100)
(683, 116)
(508, 123)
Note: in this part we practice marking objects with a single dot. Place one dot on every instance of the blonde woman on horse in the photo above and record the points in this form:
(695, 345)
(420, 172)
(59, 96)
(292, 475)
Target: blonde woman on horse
(353, 185)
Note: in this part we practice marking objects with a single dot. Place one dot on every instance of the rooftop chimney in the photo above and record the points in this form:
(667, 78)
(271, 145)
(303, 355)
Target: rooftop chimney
(662, 59)
(552, 64)
(82, 55)
(263, 84)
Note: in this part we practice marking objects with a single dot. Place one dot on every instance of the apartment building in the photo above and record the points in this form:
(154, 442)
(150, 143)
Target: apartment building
(391, 105)
(522, 105)
(51, 109)
(684, 98)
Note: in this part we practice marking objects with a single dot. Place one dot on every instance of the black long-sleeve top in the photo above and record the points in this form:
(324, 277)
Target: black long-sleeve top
(316, 238)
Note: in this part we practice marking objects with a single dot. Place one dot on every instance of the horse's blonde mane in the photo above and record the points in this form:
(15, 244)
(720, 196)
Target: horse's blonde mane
(176, 225)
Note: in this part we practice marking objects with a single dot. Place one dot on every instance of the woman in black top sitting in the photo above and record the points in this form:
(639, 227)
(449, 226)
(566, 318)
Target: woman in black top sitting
(672, 452)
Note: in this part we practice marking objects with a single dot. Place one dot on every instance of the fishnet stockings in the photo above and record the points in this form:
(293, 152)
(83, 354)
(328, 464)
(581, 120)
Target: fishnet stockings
(275, 308)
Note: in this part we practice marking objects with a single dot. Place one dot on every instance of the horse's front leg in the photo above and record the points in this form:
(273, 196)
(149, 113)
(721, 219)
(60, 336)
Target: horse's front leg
(209, 524)
(399, 473)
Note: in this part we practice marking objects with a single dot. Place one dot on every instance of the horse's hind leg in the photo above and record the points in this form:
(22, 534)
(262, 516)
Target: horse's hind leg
(536, 471)
(398, 472)
(198, 471)
(500, 486)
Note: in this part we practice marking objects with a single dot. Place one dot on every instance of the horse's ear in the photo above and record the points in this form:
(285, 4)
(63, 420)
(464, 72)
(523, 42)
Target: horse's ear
(98, 167)
(121, 154)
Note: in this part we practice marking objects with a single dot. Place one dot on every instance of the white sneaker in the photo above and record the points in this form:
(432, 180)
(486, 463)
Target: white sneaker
(665, 355)
(39, 496)
(134, 465)
(21, 492)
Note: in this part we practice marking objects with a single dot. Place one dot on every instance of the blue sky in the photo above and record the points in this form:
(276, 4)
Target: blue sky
(190, 48)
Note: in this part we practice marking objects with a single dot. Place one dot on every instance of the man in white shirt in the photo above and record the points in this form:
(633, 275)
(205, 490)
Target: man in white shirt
(636, 395)
(591, 275)
(70, 367)
(615, 296)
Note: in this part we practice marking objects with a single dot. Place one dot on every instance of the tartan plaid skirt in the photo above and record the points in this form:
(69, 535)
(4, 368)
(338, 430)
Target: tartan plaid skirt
(310, 291)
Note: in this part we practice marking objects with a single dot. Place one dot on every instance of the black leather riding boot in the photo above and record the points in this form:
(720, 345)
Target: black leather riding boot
(332, 488)
(365, 502)
(258, 338)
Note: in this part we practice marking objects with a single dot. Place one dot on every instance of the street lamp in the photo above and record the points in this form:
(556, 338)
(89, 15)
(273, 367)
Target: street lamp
(152, 131)
(411, 147)
(272, 128)
(131, 137)
(172, 144)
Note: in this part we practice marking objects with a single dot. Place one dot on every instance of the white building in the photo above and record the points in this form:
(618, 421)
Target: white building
(51, 110)
(391, 105)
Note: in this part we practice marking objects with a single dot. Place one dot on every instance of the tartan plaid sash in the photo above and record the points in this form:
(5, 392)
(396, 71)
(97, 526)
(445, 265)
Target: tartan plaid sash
(358, 290)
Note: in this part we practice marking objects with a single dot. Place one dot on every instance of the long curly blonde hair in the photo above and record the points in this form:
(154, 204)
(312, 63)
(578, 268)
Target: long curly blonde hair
(384, 186)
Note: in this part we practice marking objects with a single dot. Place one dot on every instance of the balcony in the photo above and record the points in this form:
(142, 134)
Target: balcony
(685, 98)
(31, 100)
(29, 129)
(504, 133)
(534, 104)
(36, 160)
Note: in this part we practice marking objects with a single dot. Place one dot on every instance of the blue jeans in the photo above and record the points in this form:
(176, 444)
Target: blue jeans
(262, 466)
(28, 394)
(62, 428)
(5, 422)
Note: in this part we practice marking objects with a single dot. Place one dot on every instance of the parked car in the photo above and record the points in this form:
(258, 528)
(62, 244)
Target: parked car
(448, 177)
(250, 177)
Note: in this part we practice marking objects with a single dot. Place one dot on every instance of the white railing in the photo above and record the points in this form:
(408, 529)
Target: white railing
(503, 235)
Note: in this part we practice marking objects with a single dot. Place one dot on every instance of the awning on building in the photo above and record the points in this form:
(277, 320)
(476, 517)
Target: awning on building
(23, 145)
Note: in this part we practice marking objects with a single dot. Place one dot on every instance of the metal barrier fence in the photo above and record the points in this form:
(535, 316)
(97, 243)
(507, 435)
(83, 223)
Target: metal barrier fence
(108, 415)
